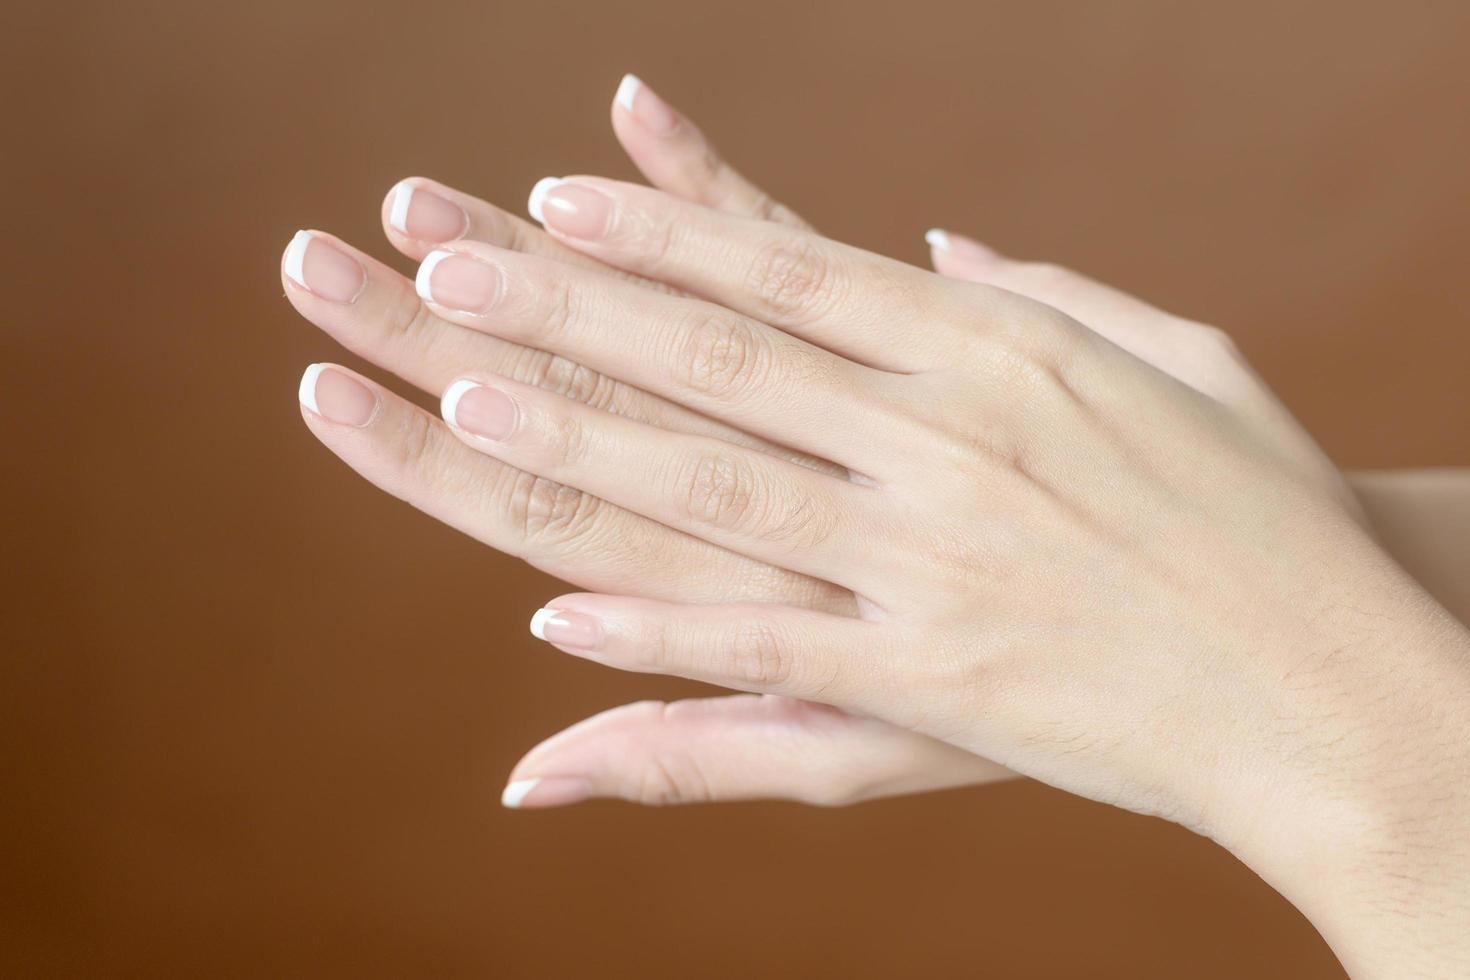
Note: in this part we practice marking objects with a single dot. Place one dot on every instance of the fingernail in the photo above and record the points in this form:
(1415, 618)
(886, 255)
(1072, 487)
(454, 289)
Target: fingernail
(545, 792)
(572, 209)
(538, 197)
(570, 629)
(943, 241)
(420, 213)
(337, 396)
(324, 270)
(458, 281)
(644, 105)
(478, 410)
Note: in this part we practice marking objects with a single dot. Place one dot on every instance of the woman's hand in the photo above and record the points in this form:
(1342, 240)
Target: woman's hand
(1066, 560)
(745, 746)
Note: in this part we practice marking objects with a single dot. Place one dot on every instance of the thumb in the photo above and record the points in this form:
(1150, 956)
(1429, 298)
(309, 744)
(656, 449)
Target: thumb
(739, 747)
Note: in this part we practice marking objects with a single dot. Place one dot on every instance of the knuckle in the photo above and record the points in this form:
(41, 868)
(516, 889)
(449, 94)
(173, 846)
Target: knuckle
(651, 237)
(570, 441)
(731, 494)
(1035, 357)
(759, 655)
(721, 491)
(410, 321)
(567, 378)
(561, 312)
(664, 780)
(793, 280)
(546, 514)
(418, 447)
(725, 358)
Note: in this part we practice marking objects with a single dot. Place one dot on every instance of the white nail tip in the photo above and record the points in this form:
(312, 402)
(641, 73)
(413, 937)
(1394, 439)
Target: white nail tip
(449, 404)
(515, 793)
(426, 274)
(307, 392)
(398, 216)
(937, 238)
(296, 258)
(627, 89)
(539, 621)
(538, 197)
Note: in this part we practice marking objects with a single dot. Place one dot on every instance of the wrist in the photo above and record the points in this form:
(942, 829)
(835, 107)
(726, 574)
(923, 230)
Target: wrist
(1364, 824)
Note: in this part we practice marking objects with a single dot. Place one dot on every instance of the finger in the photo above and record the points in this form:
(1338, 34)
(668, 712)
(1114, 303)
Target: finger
(740, 747)
(374, 312)
(868, 308)
(740, 499)
(712, 360)
(1190, 352)
(765, 649)
(412, 455)
(676, 157)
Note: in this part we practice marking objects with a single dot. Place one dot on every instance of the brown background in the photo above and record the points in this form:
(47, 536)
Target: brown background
(256, 714)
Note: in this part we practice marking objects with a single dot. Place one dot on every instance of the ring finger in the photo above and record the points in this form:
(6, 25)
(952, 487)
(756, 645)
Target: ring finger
(741, 499)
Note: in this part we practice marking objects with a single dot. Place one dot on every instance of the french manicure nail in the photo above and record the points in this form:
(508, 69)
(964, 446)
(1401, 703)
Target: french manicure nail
(479, 410)
(570, 629)
(937, 238)
(322, 269)
(644, 105)
(538, 197)
(420, 213)
(545, 792)
(572, 209)
(458, 281)
(337, 396)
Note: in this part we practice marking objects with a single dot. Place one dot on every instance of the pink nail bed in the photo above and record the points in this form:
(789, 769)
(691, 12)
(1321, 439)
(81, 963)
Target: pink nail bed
(576, 210)
(479, 410)
(569, 629)
(323, 270)
(420, 213)
(337, 396)
(458, 281)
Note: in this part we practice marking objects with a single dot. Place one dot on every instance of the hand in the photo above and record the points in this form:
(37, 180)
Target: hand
(731, 748)
(746, 746)
(1065, 559)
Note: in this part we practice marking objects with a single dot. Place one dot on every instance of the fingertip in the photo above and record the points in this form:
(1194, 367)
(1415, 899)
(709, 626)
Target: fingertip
(627, 90)
(539, 793)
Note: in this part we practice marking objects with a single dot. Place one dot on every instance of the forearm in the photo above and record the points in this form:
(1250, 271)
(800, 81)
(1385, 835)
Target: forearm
(1422, 518)
(1370, 837)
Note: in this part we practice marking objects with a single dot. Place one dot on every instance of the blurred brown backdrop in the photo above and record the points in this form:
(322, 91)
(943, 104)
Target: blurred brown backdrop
(256, 714)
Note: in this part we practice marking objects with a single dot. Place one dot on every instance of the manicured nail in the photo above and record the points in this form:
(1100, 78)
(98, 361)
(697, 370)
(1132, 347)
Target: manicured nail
(322, 269)
(337, 396)
(420, 213)
(569, 629)
(644, 105)
(545, 792)
(458, 281)
(572, 209)
(538, 197)
(479, 410)
(957, 245)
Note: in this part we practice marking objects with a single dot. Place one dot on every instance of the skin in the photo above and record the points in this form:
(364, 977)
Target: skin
(1022, 444)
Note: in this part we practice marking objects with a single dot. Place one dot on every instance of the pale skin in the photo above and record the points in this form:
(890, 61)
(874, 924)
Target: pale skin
(1019, 522)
